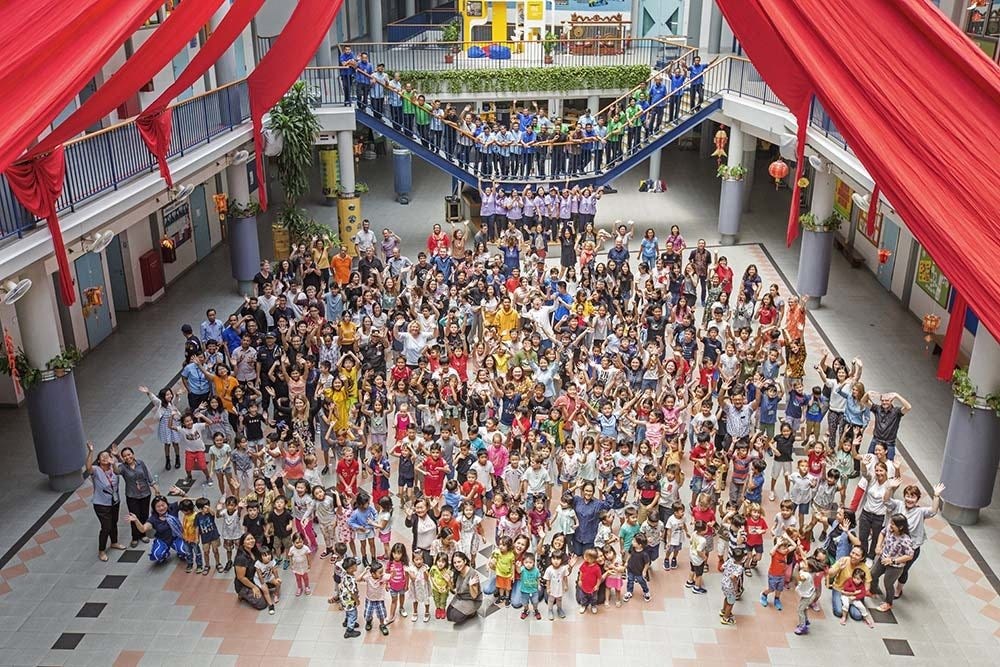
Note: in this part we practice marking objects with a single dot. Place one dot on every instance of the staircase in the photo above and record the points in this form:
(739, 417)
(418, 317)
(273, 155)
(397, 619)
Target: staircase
(686, 121)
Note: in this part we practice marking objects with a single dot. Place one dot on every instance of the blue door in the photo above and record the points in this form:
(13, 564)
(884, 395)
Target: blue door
(890, 239)
(199, 220)
(116, 274)
(90, 278)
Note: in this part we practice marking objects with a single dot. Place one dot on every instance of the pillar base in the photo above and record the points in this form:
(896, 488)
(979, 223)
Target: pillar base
(57, 430)
(730, 210)
(728, 239)
(815, 256)
(244, 249)
(962, 516)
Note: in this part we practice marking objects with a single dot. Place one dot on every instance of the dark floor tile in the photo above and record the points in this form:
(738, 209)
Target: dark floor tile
(112, 581)
(68, 641)
(882, 616)
(131, 556)
(898, 647)
(91, 610)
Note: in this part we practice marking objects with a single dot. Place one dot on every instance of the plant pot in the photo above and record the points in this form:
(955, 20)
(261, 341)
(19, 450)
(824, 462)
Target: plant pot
(547, 59)
(970, 462)
(449, 58)
(730, 210)
(59, 372)
(814, 263)
(57, 429)
(244, 248)
(282, 241)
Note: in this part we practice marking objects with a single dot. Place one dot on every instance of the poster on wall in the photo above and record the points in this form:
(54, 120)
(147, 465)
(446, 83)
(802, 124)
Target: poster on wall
(842, 199)
(863, 227)
(590, 6)
(177, 223)
(931, 280)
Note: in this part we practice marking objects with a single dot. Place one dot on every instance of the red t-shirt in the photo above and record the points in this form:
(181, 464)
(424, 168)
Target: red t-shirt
(706, 515)
(817, 464)
(434, 475)
(461, 365)
(347, 476)
(590, 577)
(705, 376)
(760, 525)
(699, 451)
(475, 490)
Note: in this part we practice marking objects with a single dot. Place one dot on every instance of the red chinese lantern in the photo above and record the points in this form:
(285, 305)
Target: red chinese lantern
(884, 255)
(778, 171)
(930, 325)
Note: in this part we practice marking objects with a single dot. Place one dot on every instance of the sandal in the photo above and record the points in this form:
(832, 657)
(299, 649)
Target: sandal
(884, 607)
(206, 570)
(219, 568)
(102, 556)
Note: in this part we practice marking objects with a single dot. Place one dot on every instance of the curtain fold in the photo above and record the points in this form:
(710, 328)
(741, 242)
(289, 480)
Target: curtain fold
(878, 67)
(155, 123)
(38, 184)
(872, 212)
(67, 58)
(282, 64)
(952, 338)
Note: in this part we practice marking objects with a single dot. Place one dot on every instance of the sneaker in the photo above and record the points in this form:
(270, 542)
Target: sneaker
(689, 584)
(552, 614)
(593, 609)
(308, 591)
(673, 563)
(402, 612)
(189, 568)
(802, 630)
(538, 615)
(326, 470)
(524, 614)
(582, 610)
(747, 572)
(368, 626)
(298, 592)
(561, 612)
(413, 619)
(506, 602)
(427, 617)
(351, 634)
(168, 464)
(285, 563)
(814, 606)
(727, 620)
(699, 591)
(666, 564)
(763, 600)
(270, 610)
(384, 629)
(645, 596)
(770, 496)
(208, 482)
(627, 597)
(777, 604)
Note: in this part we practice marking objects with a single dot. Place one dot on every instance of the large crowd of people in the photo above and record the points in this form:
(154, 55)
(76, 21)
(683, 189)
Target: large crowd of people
(580, 426)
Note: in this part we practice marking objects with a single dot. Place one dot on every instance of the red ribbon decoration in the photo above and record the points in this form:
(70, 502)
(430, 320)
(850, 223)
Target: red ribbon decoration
(953, 338)
(872, 211)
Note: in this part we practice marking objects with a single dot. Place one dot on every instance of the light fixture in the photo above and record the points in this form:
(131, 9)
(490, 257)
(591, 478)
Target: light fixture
(861, 201)
(182, 191)
(12, 290)
(786, 146)
(240, 157)
(817, 163)
(98, 241)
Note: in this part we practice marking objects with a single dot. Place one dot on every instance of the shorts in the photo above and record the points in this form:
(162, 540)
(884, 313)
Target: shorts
(368, 534)
(613, 583)
(406, 482)
(284, 543)
(829, 512)
(653, 550)
(803, 508)
(398, 594)
(756, 548)
(698, 570)
(505, 583)
(385, 538)
(794, 422)
(776, 583)
(211, 544)
(768, 429)
(780, 469)
(194, 461)
(730, 598)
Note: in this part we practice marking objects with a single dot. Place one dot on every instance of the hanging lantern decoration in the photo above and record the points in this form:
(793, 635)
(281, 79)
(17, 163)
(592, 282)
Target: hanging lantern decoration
(884, 255)
(11, 350)
(930, 326)
(721, 138)
(221, 205)
(803, 183)
(168, 250)
(778, 171)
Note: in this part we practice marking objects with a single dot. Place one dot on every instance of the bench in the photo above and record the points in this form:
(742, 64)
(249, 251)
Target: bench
(854, 258)
(938, 340)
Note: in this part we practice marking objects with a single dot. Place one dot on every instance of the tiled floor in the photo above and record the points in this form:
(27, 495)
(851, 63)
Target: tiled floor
(58, 605)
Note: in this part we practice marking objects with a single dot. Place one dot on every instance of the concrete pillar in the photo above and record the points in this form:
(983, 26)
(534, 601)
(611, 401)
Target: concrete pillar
(707, 146)
(225, 66)
(715, 30)
(53, 404)
(654, 165)
(749, 160)
(971, 455)
(594, 103)
(636, 18)
(324, 57)
(731, 193)
(345, 156)
(693, 27)
(823, 190)
(244, 244)
(410, 7)
(402, 174)
(555, 108)
(375, 21)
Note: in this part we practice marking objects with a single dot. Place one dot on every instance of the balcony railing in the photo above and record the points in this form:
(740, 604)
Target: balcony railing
(105, 160)
(407, 28)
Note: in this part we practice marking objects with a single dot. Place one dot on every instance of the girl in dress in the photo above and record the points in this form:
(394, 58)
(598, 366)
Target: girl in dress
(168, 419)
(471, 536)
(420, 586)
(299, 555)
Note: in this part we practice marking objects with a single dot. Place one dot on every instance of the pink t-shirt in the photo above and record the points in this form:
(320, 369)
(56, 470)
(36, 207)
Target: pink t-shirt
(397, 575)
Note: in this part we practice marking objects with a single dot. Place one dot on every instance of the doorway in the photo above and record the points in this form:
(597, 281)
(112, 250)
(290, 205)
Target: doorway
(890, 239)
(199, 220)
(116, 274)
(97, 315)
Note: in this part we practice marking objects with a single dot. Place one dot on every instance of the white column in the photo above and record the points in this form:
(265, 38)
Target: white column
(238, 183)
(410, 7)
(715, 29)
(984, 364)
(345, 156)
(555, 108)
(225, 66)
(38, 318)
(654, 165)
(636, 18)
(375, 21)
(594, 103)
(735, 147)
(823, 189)
(324, 57)
(749, 159)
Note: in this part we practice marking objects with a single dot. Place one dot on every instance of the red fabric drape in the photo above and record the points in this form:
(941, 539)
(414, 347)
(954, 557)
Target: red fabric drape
(38, 184)
(155, 123)
(953, 338)
(167, 40)
(19, 23)
(278, 69)
(872, 212)
(67, 57)
(918, 103)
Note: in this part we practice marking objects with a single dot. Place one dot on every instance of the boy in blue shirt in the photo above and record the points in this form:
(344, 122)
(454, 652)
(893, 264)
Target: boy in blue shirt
(815, 410)
(769, 408)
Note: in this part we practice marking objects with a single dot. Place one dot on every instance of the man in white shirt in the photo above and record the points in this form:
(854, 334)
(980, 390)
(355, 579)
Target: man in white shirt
(365, 238)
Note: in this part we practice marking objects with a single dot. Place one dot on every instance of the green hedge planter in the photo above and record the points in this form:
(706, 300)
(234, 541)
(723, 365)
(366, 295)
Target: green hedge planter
(518, 80)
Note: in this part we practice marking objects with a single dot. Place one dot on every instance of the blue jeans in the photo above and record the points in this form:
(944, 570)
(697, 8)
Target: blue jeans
(838, 606)
(159, 552)
(632, 579)
(351, 617)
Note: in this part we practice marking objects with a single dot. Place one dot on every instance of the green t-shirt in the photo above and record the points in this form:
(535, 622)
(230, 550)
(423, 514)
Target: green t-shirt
(632, 115)
(627, 533)
(529, 580)
(408, 106)
(614, 129)
(423, 117)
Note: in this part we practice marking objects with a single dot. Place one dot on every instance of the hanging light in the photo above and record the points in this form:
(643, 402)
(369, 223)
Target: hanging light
(778, 171)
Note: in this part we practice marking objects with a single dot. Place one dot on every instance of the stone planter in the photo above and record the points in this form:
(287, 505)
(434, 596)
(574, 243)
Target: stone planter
(57, 429)
(971, 457)
(730, 210)
(815, 256)
(281, 239)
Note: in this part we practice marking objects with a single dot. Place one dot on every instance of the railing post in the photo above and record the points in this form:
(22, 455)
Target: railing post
(111, 159)
(204, 108)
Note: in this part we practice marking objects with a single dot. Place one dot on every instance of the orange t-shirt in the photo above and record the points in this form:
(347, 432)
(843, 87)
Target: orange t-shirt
(341, 265)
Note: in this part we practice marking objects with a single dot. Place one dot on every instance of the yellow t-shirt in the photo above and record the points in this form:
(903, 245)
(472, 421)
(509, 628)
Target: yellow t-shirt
(506, 321)
(322, 257)
(504, 563)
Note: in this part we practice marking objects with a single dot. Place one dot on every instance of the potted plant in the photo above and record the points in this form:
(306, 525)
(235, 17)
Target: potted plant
(64, 362)
(815, 254)
(810, 223)
(240, 210)
(26, 374)
(449, 34)
(549, 45)
(294, 119)
(962, 387)
(734, 173)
